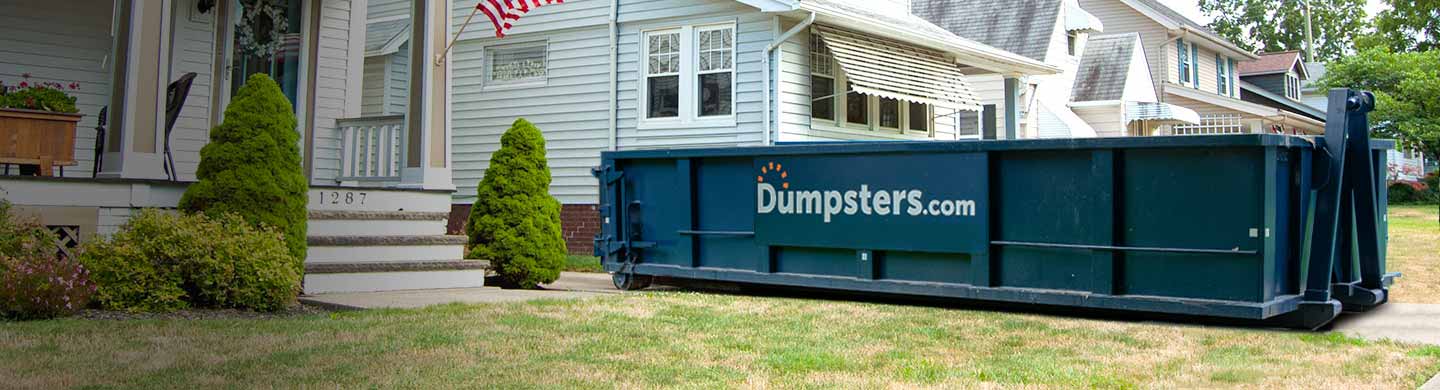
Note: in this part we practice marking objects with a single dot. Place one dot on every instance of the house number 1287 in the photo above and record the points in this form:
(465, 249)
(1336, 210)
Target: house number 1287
(346, 198)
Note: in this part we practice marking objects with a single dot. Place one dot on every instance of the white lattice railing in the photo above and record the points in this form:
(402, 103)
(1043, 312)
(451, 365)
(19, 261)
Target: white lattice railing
(370, 148)
(1212, 124)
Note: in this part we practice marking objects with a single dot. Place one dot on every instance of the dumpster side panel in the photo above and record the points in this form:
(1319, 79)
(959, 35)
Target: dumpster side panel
(1194, 198)
(1048, 197)
(650, 186)
(725, 202)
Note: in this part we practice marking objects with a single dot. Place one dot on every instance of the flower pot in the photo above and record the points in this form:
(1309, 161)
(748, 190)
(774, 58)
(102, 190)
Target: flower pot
(41, 138)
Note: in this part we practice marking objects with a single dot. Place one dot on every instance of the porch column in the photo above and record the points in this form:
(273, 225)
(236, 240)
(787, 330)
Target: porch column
(427, 150)
(135, 144)
(1012, 107)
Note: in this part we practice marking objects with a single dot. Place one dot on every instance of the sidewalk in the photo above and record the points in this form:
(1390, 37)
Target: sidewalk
(570, 286)
(1404, 322)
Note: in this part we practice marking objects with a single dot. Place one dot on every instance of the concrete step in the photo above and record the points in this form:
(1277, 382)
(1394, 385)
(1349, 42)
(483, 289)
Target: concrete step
(357, 249)
(326, 278)
(327, 198)
(376, 223)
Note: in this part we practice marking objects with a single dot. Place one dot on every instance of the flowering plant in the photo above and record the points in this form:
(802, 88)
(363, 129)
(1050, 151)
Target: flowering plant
(36, 283)
(39, 95)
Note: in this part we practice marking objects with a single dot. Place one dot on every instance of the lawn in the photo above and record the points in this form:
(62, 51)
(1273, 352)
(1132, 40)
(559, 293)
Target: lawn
(582, 264)
(695, 340)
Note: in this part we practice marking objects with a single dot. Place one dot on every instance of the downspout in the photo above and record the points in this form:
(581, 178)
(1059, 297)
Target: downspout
(614, 64)
(773, 66)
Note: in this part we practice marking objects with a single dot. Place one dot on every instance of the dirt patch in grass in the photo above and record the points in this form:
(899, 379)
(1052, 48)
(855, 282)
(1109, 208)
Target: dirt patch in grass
(1414, 251)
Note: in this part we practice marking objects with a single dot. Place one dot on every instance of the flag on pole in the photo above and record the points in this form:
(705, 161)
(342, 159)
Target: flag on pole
(504, 13)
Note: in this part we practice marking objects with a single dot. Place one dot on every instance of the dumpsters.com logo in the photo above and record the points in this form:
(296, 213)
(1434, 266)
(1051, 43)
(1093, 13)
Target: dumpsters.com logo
(829, 203)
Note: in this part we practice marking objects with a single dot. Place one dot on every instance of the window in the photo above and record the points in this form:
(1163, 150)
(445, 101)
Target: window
(857, 106)
(919, 117)
(1212, 124)
(716, 70)
(1292, 86)
(689, 74)
(515, 64)
(662, 76)
(1222, 79)
(822, 80)
(1184, 55)
(1072, 40)
(1234, 79)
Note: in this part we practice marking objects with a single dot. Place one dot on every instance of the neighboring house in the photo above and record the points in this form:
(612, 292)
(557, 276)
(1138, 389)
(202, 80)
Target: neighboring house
(1193, 67)
(1099, 75)
(1275, 80)
(1402, 163)
(387, 58)
(380, 184)
(631, 74)
(1115, 94)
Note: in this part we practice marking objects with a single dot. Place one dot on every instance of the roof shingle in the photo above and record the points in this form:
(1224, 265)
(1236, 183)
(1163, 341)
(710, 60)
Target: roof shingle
(1022, 27)
(1269, 63)
(1104, 68)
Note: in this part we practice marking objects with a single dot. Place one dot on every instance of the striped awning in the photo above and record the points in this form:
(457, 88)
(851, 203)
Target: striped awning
(893, 69)
(1150, 111)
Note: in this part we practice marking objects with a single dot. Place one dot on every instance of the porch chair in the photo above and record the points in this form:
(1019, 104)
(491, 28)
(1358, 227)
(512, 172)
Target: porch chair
(175, 97)
(99, 142)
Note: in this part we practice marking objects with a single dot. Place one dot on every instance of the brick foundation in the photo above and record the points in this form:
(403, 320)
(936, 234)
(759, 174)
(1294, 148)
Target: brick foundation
(579, 223)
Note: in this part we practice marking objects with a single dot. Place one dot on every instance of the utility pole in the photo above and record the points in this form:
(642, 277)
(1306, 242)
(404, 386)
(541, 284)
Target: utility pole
(1309, 38)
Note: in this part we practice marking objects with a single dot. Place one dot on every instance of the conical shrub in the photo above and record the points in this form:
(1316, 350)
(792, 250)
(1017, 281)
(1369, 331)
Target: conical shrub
(251, 167)
(515, 222)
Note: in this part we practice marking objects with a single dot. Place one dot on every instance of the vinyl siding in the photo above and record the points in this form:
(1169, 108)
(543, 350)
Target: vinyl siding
(1106, 120)
(331, 87)
(386, 78)
(64, 41)
(1120, 18)
(193, 51)
(570, 107)
(1274, 83)
(377, 9)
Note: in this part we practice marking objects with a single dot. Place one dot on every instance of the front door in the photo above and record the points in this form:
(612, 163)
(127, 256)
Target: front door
(266, 37)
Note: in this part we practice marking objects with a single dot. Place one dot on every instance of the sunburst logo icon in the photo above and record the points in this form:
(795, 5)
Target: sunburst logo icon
(774, 171)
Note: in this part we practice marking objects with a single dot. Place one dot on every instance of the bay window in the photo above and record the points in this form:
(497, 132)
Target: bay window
(846, 109)
(689, 75)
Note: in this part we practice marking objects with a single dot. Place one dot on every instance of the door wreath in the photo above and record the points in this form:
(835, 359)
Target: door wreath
(261, 31)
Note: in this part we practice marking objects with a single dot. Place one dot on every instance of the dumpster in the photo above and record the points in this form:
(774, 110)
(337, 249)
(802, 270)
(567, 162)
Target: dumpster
(1281, 229)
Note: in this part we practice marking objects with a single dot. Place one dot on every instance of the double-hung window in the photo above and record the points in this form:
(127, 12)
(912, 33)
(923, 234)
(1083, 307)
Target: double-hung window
(822, 80)
(689, 74)
(1222, 78)
(847, 109)
(1182, 50)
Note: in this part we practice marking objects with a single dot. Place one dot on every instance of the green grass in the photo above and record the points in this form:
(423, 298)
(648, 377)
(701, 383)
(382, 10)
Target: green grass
(694, 340)
(582, 264)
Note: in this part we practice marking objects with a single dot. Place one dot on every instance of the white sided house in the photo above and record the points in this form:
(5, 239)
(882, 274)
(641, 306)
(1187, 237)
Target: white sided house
(373, 123)
(597, 75)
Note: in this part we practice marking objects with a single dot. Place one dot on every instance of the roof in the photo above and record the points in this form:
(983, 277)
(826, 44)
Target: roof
(1276, 101)
(1023, 27)
(1316, 71)
(1104, 67)
(1270, 63)
(1175, 20)
(882, 67)
(901, 26)
(385, 37)
(1152, 111)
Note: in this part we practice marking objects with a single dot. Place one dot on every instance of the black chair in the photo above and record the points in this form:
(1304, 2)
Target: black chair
(175, 97)
(99, 142)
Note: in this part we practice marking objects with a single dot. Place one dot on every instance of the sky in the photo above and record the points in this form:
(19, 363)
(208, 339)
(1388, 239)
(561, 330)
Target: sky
(1191, 8)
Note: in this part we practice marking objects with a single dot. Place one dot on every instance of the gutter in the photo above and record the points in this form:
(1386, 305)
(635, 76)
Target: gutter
(770, 66)
(614, 65)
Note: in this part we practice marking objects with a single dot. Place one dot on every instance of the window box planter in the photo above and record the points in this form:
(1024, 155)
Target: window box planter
(42, 138)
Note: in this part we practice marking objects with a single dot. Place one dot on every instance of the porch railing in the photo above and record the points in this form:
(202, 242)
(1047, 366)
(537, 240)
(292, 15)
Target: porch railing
(370, 148)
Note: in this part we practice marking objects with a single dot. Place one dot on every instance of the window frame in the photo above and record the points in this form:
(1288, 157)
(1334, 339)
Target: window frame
(1072, 43)
(872, 104)
(689, 74)
(1183, 51)
(1222, 76)
(488, 65)
(1292, 86)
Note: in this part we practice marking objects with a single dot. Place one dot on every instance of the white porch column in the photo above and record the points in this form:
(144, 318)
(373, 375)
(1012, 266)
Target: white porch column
(135, 140)
(1012, 107)
(427, 149)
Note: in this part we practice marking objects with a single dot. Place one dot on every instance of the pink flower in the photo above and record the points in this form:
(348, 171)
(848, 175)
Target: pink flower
(74, 85)
(24, 84)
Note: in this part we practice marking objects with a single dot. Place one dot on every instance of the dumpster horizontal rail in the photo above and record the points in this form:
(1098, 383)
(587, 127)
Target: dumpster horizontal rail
(716, 233)
(1126, 248)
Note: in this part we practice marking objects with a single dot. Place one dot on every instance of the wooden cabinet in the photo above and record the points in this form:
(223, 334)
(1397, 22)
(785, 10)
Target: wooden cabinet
(42, 138)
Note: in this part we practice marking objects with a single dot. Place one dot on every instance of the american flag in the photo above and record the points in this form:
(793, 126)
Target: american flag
(503, 13)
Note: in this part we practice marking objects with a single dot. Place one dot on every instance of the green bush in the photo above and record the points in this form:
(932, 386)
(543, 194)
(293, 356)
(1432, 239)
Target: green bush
(251, 167)
(36, 283)
(1432, 183)
(164, 261)
(515, 222)
(1405, 193)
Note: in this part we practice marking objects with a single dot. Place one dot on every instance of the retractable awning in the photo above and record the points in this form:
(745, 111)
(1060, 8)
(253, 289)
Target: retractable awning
(1150, 111)
(892, 69)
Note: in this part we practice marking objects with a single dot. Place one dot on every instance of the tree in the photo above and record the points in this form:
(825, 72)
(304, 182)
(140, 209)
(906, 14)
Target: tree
(515, 222)
(1279, 25)
(1410, 25)
(251, 167)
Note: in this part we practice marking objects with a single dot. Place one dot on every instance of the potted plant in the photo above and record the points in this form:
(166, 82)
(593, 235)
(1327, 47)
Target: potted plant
(37, 124)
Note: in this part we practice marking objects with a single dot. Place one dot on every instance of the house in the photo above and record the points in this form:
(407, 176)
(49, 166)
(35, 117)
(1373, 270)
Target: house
(1100, 75)
(643, 74)
(1403, 163)
(1276, 80)
(1194, 67)
(380, 177)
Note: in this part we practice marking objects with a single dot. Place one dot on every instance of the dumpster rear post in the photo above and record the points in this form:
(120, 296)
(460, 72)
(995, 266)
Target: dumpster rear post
(1282, 229)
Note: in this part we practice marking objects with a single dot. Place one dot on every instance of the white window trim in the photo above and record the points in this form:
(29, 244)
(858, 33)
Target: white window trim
(689, 80)
(485, 66)
(873, 128)
(1292, 86)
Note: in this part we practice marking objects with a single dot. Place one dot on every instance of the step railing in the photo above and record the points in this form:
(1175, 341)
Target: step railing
(371, 148)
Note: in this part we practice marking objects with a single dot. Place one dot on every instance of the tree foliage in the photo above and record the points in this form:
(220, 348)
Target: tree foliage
(251, 167)
(515, 222)
(1407, 93)
(1410, 25)
(1272, 26)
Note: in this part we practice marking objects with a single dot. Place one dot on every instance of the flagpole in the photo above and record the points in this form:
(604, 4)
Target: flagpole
(440, 58)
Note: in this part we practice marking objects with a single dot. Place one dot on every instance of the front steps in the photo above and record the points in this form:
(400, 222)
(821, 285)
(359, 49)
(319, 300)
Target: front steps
(384, 240)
